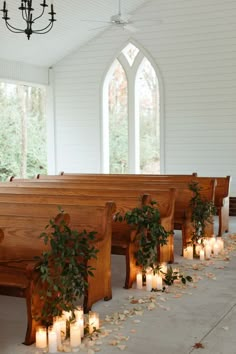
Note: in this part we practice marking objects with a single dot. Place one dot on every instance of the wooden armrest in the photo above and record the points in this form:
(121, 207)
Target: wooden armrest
(167, 223)
(133, 234)
(220, 202)
(22, 263)
(30, 268)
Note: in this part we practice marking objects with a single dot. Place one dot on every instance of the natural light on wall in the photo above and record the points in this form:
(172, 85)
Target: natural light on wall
(131, 120)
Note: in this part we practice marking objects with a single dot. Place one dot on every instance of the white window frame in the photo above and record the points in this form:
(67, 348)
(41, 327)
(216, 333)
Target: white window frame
(133, 122)
(50, 121)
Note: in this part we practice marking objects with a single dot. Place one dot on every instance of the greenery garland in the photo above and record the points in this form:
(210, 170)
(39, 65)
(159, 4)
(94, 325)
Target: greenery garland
(202, 212)
(150, 233)
(63, 268)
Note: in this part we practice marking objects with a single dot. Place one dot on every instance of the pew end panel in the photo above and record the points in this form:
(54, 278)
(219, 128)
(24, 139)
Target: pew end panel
(20, 243)
(166, 203)
(222, 203)
(123, 235)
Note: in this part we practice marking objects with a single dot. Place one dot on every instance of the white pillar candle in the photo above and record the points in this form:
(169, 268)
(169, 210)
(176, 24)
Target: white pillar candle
(216, 249)
(212, 243)
(202, 256)
(57, 328)
(59, 324)
(75, 336)
(52, 340)
(67, 315)
(185, 253)
(154, 281)
(198, 249)
(81, 324)
(149, 270)
(79, 312)
(63, 328)
(93, 321)
(207, 249)
(220, 243)
(148, 281)
(41, 337)
(139, 280)
(190, 252)
(79, 316)
(159, 282)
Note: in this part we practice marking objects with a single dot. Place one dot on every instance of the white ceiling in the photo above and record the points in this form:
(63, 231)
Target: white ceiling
(70, 30)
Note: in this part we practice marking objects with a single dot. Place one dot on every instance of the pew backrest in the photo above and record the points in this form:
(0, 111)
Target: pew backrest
(183, 194)
(21, 224)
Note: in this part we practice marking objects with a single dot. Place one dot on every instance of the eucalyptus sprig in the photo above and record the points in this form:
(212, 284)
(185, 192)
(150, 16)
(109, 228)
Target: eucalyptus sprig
(149, 232)
(63, 268)
(202, 212)
(171, 275)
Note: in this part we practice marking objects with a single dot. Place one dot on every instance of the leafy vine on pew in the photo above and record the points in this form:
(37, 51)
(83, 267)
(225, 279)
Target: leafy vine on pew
(63, 268)
(150, 233)
(202, 212)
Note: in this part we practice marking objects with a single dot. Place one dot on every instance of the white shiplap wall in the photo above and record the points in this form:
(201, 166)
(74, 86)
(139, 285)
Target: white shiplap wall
(17, 71)
(194, 46)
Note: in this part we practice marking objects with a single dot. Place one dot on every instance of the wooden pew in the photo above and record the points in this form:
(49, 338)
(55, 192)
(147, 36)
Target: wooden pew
(208, 186)
(123, 237)
(222, 189)
(122, 240)
(104, 175)
(183, 194)
(22, 222)
(222, 194)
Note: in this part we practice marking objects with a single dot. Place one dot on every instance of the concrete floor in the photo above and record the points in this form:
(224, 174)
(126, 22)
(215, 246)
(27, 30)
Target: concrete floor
(197, 318)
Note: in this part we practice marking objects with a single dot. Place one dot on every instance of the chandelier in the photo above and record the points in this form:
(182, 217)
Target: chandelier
(27, 14)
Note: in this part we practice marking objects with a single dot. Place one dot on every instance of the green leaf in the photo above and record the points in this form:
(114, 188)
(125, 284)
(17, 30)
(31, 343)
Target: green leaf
(63, 268)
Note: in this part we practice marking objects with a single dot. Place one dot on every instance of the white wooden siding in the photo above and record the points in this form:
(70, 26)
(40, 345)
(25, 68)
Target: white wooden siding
(15, 71)
(194, 46)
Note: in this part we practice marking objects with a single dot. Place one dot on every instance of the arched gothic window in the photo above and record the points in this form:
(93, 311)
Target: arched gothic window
(131, 115)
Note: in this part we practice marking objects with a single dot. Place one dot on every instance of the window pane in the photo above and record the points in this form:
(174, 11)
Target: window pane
(130, 52)
(23, 131)
(118, 120)
(148, 111)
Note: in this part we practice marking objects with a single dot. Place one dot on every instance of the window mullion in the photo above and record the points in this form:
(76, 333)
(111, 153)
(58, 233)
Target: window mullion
(133, 125)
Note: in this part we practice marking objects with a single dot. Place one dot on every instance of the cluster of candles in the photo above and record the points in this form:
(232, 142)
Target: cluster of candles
(53, 336)
(153, 280)
(213, 245)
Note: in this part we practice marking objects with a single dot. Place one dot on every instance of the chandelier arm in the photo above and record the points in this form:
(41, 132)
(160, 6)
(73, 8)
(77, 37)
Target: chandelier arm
(36, 18)
(50, 25)
(14, 29)
(45, 29)
(42, 32)
(24, 14)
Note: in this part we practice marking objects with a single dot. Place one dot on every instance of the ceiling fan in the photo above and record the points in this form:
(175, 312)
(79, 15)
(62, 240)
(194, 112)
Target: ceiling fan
(122, 20)
(119, 20)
